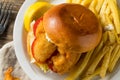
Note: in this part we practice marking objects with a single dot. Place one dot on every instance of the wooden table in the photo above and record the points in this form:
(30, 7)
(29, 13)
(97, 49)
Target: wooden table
(7, 36)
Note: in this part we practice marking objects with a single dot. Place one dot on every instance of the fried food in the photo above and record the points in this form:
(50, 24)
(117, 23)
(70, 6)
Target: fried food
(115, 14)
(64, 61)
(8, 75)
(106, 61)
(78, 70)
(41, 48)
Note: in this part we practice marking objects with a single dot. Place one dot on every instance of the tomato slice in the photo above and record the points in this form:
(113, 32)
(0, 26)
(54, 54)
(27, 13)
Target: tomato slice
(36, 24)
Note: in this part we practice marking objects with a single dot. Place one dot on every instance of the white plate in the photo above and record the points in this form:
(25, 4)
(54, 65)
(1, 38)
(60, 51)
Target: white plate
(20, 49)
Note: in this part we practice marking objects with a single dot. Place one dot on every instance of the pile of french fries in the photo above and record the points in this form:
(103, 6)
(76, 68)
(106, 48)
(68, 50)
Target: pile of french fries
(102, 59)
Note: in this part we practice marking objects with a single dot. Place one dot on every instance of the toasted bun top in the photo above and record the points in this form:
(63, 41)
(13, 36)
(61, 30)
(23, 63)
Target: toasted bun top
(72, 26)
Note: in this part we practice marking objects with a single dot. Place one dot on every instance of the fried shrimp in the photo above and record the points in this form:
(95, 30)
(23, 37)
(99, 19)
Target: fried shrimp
(64, 60)
(41, 48)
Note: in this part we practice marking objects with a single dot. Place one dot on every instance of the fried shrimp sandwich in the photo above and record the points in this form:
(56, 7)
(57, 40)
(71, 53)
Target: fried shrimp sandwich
(61, 35)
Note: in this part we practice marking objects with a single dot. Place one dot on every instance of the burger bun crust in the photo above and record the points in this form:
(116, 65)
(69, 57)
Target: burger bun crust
(72, 26)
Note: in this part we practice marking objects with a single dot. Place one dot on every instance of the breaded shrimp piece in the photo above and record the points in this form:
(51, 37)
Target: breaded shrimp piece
(41, 48)
(64, 60)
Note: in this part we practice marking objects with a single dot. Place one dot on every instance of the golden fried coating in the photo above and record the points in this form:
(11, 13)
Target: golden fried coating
(41, 49)
(8, 75)
(64, 60)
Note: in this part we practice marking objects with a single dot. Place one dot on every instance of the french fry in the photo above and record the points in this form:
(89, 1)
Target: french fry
(105, 62)
(108, 25)
(92, 7)
(89, 77)
(102, 20)
(99, 5)
(117, 38)
(79, 69)
(114, 52)
(102, 13)
(113, 63)
(97, 60)
(73, 1)
(103, 7)
(93, 4)
(114, 10)
(112, 38)
(105, 37)
(119, 12)
(78, 1)
(108, 20)
(69, 1)
(86, 2)
(111, 17)
(115, 1)
(94, 11)
(95, 53)
(108, 10)
(99, 47)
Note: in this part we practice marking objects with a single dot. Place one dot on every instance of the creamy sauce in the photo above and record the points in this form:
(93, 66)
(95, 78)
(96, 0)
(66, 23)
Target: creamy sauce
(49, 40)
(109, 27)
(32, 38)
